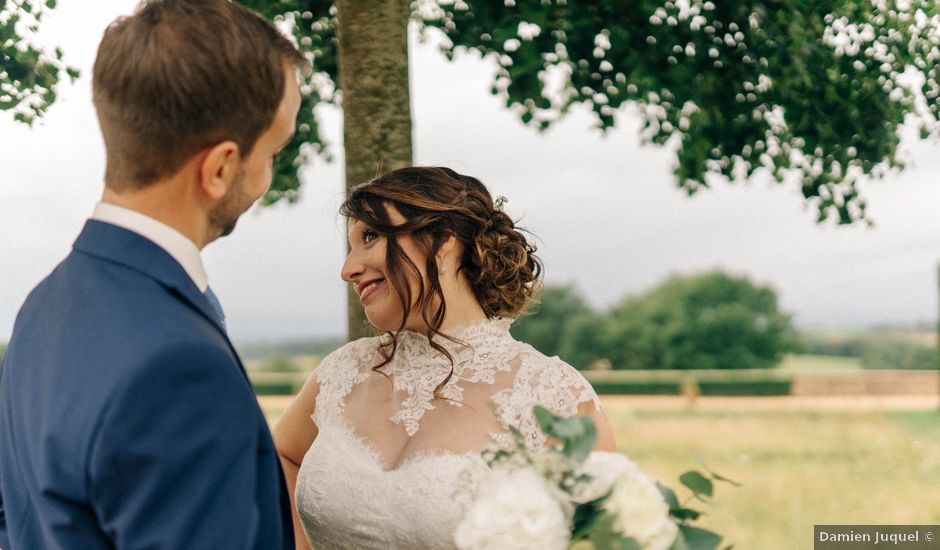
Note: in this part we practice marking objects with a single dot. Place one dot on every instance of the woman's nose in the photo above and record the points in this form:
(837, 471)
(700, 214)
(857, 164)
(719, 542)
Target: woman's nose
(352, 268)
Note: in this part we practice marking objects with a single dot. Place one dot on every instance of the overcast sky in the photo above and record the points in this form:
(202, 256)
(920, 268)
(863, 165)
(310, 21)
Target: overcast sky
(606, 210)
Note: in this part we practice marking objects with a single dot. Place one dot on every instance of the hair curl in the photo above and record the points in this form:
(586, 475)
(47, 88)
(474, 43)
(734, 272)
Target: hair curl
(437, 203)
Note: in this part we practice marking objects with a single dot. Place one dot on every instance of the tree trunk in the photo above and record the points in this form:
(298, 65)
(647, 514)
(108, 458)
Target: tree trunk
(373, 77)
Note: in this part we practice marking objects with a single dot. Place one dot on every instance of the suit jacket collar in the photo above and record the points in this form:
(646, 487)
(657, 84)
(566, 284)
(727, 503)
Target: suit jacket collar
(180, 247)
(130, 249)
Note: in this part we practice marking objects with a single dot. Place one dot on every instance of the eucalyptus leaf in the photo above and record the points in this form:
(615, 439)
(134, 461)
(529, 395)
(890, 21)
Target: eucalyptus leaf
(699, 539)
(684, 514)
(679, 543)
(699, 484)
(716, 476)
(587, 517)
(725, 479)
(580, 447)
(669, 495)
(545, 419)
(566, 429)
(612, 540)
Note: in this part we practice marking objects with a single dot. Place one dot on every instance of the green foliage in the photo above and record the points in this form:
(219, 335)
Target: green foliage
(547, 328)
(591, 521)
(877, 349)
(577, 434)
(699, 539)
(746, 387)
(636, 387)
(313, 26)
(847, 344)
(3, 349)
(709, 321)
(277, 383)
(894, 354)
(725, 387)
(813, 91)
(738, 86)
(273, 388)
(700, 485)
(605, 537)
(29, 76)
(583, 340)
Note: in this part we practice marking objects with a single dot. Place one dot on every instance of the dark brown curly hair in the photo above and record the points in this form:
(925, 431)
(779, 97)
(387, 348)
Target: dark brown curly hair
(437, 203)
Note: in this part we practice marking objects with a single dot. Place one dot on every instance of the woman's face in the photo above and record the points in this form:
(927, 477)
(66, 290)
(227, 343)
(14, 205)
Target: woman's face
(365, 269)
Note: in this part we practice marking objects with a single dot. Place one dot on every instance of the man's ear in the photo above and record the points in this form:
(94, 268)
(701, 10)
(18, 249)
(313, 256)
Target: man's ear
(219, 168)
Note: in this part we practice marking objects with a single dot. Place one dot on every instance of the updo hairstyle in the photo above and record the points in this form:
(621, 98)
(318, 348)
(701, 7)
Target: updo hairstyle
(437, 203)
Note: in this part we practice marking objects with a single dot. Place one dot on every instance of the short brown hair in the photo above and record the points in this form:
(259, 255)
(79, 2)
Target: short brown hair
(180, 75)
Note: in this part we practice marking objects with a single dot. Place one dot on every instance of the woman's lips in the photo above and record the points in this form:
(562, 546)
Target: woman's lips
(370, 289)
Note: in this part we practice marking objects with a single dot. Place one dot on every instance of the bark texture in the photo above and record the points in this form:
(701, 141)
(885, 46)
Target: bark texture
(373, 77)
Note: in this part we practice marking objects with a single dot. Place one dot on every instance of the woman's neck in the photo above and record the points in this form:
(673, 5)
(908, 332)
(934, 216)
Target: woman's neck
(462, 309)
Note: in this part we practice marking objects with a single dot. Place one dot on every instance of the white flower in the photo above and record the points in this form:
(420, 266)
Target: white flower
(639, 510)
(604, 469)
(514, 509)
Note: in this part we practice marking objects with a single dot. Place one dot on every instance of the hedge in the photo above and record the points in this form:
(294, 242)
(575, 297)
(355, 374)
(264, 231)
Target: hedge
(659, 382)
(746, 387)
(714, 387)
(277, 383)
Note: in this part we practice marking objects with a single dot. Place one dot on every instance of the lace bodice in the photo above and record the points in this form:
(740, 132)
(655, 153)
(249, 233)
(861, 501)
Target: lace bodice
(382, 471)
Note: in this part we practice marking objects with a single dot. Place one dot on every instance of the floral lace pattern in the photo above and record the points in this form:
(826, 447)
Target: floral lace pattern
(349, 497)
(561, 392)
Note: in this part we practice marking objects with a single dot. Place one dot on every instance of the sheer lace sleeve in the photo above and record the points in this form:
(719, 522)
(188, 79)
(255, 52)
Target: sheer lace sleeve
(337, 374)
(545, 381)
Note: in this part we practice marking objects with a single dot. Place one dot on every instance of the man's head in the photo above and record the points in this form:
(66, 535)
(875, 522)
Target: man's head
(205, 85)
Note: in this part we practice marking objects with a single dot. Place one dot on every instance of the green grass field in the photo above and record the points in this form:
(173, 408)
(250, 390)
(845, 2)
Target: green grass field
(797, 468)
(807, 362)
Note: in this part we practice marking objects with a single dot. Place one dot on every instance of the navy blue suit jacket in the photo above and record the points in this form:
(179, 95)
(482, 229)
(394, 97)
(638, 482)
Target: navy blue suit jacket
(126, 418)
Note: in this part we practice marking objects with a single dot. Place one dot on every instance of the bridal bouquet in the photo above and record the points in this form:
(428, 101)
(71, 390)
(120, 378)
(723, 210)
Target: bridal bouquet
(569, 497)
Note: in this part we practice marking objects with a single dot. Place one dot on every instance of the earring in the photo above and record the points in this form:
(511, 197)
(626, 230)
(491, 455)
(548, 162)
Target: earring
(443, 270)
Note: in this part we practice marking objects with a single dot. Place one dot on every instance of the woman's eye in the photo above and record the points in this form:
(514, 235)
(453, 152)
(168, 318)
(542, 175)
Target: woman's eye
(369, 235)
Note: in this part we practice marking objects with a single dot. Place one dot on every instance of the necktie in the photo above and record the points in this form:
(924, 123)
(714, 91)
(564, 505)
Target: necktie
(216, 305)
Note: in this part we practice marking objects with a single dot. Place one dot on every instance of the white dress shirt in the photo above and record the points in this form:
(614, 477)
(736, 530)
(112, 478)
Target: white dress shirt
(175, 243)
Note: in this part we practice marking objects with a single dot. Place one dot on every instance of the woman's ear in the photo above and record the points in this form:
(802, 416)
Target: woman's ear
(450, 254)
(449, 247)
(219, 169)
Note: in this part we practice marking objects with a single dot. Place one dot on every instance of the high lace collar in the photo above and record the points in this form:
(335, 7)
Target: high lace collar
(417, 368)
(471, 337)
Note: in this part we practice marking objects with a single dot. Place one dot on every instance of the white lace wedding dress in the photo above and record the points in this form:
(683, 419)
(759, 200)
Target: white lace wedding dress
(383, 469)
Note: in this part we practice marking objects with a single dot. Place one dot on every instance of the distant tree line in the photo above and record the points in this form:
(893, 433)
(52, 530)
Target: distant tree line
(707, 321)
(312, 346)
(876, 349)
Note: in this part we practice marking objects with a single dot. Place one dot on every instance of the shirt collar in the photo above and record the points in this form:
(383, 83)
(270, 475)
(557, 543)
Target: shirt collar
(175, 243)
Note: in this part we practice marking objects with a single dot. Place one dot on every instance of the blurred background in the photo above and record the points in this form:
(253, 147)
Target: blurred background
(742, 326)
